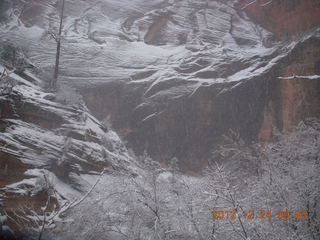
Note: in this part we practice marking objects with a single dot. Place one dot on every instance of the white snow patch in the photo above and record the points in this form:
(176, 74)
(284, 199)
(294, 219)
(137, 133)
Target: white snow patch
(301, 77)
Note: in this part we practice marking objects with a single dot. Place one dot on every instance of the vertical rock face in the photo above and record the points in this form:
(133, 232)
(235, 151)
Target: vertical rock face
(284, 17)
(190, 128)
(298, 94)
(191, 124)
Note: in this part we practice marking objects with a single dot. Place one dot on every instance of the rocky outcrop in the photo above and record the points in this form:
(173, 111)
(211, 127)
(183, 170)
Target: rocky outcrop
(47, 144)
(283, 18)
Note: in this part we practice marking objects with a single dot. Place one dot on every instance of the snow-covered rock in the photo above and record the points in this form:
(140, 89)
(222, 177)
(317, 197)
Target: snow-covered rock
(49, 142)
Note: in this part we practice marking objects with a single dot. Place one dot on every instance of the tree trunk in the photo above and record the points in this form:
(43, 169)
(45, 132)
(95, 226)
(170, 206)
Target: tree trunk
(56, 68)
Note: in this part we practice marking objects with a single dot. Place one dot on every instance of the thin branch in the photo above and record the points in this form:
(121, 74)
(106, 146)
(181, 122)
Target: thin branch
(87, 194)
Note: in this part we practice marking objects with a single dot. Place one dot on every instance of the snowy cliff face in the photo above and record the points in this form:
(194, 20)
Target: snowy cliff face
(44, 141)
(154, 41)
(172, 77)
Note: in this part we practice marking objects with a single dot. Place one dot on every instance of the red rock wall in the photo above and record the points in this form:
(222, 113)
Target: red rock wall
(298, 97)
(285, 17)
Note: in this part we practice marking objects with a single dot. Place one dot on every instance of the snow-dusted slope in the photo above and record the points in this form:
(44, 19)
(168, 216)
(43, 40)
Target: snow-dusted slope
(140, 40)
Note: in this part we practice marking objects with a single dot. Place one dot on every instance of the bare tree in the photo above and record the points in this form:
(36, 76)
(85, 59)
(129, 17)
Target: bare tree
(6, 83)
(58, 37)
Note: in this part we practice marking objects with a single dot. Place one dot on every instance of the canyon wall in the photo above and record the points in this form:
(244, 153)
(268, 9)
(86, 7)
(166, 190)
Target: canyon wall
(192, 125)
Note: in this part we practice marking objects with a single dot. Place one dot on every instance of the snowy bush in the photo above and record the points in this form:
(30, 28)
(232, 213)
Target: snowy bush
(14, 57)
